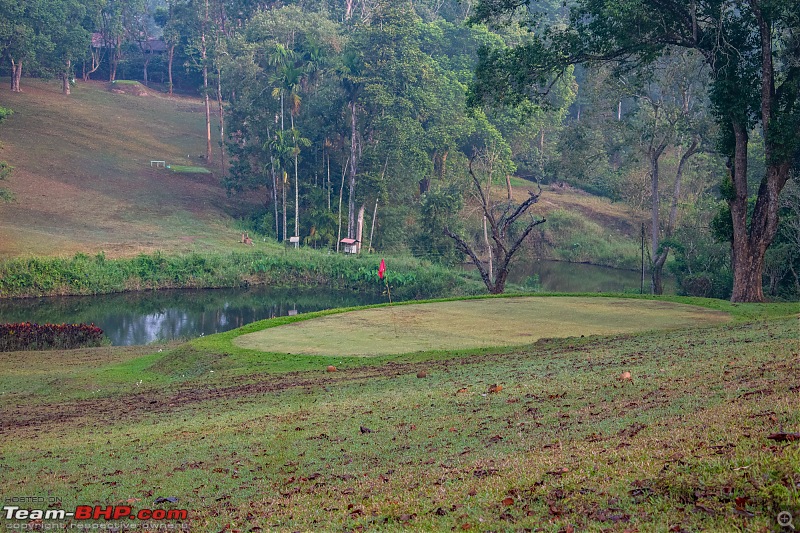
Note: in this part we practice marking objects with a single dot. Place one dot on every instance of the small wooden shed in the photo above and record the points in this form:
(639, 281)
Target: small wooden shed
(350, 245)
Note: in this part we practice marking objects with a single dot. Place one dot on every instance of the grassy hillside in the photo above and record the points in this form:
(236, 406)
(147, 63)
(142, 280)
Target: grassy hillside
(83, 180)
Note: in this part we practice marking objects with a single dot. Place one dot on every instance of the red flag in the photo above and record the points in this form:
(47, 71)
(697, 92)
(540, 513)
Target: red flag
(382, 269)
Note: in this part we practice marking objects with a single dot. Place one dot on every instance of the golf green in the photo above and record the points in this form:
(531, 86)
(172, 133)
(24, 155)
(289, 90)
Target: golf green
(473, 324)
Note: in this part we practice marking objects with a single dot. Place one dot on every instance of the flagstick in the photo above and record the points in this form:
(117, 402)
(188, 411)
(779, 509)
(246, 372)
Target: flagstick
(387, 290)
(391, 308)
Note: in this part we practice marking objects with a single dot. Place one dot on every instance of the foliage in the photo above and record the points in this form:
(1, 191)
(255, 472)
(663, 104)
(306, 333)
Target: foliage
(702, 261)
(83, 274)
(439, 208)
(27, 336)
(751, 51)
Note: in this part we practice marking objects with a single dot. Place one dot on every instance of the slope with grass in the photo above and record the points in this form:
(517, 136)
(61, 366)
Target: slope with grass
(83, 181)
(544, 436)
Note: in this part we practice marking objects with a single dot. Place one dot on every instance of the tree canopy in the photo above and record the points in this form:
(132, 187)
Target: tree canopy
(751, 48)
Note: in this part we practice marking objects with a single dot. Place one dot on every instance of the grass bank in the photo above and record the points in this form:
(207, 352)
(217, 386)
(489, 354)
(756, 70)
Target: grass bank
(544, 436)
(84, 274)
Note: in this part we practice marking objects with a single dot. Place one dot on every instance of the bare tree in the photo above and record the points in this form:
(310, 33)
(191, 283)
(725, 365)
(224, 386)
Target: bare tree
(499, 218)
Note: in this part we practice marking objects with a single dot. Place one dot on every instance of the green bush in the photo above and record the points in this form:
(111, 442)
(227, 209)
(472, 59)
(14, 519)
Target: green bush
(408, 277)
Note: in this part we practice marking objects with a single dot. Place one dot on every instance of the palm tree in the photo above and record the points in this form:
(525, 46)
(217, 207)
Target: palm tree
(289, 83)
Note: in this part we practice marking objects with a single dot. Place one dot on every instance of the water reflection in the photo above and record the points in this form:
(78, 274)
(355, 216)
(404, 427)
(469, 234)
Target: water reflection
(142, 318)
(556, 276)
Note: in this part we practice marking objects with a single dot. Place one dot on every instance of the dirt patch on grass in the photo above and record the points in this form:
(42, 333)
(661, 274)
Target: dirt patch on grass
(131, 407)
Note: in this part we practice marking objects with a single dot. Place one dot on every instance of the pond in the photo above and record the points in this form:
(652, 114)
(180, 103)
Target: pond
(558, 276)
(146, 317)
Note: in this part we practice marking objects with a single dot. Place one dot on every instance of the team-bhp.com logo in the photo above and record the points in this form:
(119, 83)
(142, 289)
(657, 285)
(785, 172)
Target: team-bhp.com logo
(96, 512)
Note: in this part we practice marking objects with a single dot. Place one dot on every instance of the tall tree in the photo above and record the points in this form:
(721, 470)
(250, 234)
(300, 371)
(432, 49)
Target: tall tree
(669, 115)
(24, 30)
(751, 48)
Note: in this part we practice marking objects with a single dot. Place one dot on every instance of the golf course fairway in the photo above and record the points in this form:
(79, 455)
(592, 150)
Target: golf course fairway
(475, 323)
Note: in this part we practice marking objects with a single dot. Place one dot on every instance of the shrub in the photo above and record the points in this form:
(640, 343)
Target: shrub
(28, 336)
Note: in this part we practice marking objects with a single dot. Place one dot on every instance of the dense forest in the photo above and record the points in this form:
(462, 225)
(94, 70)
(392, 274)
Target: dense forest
(403, 114)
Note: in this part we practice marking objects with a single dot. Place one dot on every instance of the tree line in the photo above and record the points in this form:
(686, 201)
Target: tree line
(403, 113)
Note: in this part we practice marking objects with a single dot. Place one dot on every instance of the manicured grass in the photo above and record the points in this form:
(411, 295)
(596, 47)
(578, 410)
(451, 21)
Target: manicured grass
(189, 169)
(470, 324)
(563, 443)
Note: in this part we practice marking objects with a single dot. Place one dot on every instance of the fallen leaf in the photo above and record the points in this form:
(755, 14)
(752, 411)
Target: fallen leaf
(784, 437)
(508, 501)
(365, 429)
(495, 388)
(741, 502)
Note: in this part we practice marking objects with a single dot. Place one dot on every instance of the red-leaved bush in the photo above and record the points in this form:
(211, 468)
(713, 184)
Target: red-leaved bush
(28, 336)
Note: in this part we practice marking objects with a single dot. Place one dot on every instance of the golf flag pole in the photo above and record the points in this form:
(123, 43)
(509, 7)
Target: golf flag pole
(382, 275)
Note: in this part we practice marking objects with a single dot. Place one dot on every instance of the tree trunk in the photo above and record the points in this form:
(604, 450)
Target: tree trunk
(275, 197)
(488, 249)
(204, 57)
(16, 74)
(144, 69)
(170, 59)
(749, 247)
(656, 276)
(351, 202)
(116, 55)
(97, 60)
(221, 113)
(296, 199)
(207, 101)
(655, 222)
(283, 193)
(65, 88)
(661, 258)
(747, 268)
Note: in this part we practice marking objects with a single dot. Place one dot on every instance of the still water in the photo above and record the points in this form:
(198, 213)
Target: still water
(556, 276)
(145, 317)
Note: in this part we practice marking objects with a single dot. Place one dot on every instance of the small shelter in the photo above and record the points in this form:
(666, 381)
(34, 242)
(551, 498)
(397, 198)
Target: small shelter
(350, 245)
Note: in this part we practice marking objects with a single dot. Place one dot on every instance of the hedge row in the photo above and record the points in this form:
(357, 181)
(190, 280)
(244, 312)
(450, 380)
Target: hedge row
(28, 336)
